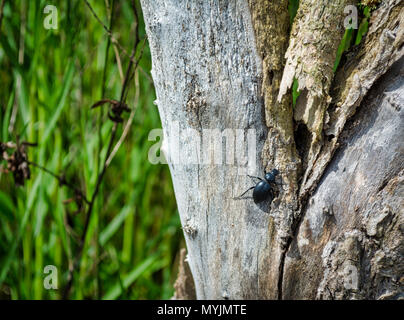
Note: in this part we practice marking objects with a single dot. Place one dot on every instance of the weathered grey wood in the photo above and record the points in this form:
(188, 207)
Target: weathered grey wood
(207, 75)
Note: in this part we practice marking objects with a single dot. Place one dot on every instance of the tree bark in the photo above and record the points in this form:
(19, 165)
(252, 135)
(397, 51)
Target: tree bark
(350, 242)
(224, 69)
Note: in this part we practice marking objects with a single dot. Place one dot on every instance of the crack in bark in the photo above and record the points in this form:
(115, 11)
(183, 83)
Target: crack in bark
(295, 230)
(329, 152)
(271, 24)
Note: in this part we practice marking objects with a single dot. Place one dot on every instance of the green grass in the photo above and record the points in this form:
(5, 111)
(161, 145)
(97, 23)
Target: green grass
(353, 37)
(48, 81)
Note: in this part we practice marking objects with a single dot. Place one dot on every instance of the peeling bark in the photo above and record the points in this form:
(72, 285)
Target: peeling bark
(354, 221)
(382, 47)
(271, 25)
(316, 34)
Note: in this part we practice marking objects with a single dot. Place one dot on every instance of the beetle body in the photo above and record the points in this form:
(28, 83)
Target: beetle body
(262, 191)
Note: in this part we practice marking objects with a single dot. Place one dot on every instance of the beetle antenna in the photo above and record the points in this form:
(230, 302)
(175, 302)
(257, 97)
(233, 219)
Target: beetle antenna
(253, 177)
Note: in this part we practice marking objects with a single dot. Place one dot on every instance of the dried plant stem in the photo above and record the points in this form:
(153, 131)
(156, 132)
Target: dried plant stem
(62, 180)
(128, 124)
(21, 51)
(128, 76)
(1, 11)
(110, 8)
(108, 31)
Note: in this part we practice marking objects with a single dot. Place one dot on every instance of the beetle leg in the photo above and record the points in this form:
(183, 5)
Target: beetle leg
(272, 195)
(246, 192)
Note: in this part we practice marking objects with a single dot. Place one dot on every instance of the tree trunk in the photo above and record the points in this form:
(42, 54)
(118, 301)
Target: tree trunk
(224, 69)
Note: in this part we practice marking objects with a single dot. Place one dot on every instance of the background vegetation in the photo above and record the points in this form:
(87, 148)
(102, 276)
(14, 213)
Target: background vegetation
(49, 79)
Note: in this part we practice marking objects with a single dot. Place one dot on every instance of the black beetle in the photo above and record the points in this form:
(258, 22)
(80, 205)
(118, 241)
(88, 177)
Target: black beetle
(263, 189)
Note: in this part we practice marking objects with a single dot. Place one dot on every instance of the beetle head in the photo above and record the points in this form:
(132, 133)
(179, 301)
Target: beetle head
(275, 172)
(270, 176)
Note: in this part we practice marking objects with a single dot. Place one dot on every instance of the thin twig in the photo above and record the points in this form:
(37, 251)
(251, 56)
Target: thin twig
(117, 44)
(2, 11)
(62, 181)
(119, 63)
(142, 70)
(108, 31)
(21, 51)
(110, 12)
(100, 177)
(127, 126)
